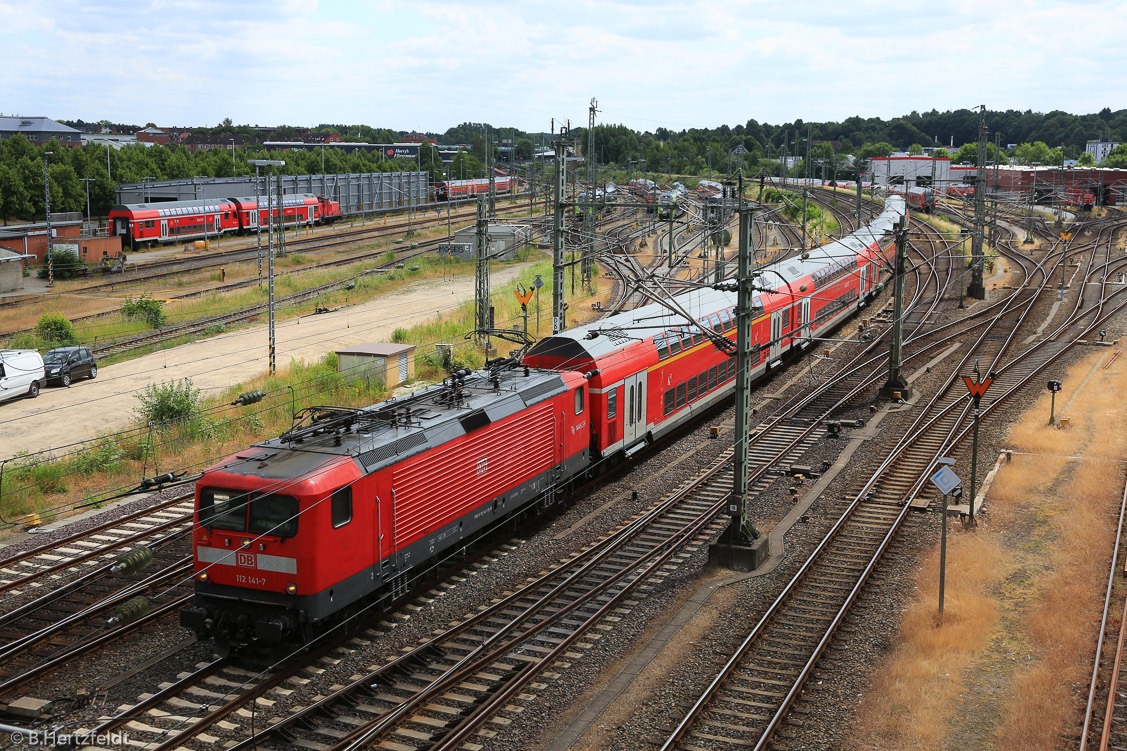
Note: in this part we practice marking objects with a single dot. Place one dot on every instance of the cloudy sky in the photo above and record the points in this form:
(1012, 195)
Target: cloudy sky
(431, 64)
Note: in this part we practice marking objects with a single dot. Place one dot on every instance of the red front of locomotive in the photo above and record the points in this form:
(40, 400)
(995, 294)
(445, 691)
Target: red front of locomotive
(273, 534)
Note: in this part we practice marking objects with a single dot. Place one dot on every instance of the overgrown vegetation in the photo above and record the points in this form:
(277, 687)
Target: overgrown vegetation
(65, 263)
(168, 402)
(188, 432)
(55, 330)
(145, 308)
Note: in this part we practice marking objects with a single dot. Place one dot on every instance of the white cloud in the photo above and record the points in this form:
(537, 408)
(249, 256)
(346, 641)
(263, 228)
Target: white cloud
(432, 64)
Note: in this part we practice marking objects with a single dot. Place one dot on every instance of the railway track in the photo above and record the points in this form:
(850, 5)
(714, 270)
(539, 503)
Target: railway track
(91, 550)
(751, 696)
(1105, 716)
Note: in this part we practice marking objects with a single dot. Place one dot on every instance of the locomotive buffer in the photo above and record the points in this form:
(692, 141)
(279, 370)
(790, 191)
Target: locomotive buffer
(741, 546)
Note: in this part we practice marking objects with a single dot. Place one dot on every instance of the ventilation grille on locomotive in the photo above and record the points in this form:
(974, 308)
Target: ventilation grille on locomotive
(377, 456)
(539, 391)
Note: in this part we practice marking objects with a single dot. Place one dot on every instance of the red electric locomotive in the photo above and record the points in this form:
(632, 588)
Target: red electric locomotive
(342, 511)
(345, 508)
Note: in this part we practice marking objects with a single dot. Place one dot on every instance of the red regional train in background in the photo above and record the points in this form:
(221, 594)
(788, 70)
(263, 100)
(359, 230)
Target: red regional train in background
(173, 221)
(917, 198)
(344, 510)
(446, 190)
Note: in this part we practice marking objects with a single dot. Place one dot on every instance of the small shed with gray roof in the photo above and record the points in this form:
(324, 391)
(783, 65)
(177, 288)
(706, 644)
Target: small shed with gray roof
(389, 365)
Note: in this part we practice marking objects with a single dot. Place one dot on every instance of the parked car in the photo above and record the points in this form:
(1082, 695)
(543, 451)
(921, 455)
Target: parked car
(64, 364)
(21, 372)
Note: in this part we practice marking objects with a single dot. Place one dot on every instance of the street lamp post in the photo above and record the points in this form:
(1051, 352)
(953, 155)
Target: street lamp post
(232, 157)
(270, 254)
(87, 180)
(258, 215)
(47, 203)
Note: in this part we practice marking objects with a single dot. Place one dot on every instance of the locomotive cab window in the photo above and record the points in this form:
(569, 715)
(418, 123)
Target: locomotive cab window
(579, 401)
(612, 403)
(223, 509)
(342, 507)
(273, 515)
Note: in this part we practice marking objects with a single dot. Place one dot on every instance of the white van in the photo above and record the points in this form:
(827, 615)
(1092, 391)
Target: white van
(21, 372)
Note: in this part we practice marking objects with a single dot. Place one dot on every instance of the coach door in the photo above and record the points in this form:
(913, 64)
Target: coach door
(634, 419)
(777, 334)
(863, 281)
(163, 228)
(806, 319)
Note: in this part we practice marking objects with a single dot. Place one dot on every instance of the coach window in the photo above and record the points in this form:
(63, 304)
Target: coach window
(698, 337)
(579, 401)
(669, 401)
(612, 403)
(692, 388)
(681, 387)
(342, 507)
(674, 342)
(662, 346)
(714, 320)
(686, 339)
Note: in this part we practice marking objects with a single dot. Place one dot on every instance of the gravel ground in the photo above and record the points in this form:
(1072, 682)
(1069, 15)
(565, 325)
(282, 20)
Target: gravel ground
(823, 714)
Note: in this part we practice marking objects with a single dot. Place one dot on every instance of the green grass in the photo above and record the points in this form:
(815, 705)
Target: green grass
(51, 485)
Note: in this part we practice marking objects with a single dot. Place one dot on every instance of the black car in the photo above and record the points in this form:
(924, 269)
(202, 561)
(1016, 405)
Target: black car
(66, 363)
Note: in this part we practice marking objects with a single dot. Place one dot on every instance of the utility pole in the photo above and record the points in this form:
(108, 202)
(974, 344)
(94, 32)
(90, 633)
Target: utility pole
(481, 277)
(588, 263)
(741, 546)
(47, 201)
(859, 177)
(270, 256)
(258, 214)
(976, 289)
(805, 196)
(896, 382)
(559, 322)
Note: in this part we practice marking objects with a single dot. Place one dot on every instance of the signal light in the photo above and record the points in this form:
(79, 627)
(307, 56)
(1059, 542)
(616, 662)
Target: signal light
(203, 576)
(291, 588)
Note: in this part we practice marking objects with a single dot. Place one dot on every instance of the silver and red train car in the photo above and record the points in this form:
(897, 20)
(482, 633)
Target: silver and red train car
(174, 221)
(343, 511)
(446, 190)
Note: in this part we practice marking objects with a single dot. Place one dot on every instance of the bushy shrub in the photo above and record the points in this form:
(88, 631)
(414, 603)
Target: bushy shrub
(146, 309)
(214, 328)
(65, 264)
(55, 330)
(168, 402)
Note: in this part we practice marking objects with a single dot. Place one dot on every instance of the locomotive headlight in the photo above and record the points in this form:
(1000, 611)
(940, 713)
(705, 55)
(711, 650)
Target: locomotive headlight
(203, 576)
(246, 542)
(291, 588)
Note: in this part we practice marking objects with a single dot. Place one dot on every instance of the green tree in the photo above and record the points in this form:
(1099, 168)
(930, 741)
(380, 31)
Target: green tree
(915, 149)
(1117, 157)
(1086, 159)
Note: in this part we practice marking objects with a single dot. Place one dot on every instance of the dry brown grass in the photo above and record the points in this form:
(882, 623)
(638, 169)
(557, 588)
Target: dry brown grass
(1005, 667)
(923, 677)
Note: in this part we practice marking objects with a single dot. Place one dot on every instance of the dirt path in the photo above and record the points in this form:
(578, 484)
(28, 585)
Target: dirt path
(63, 416)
